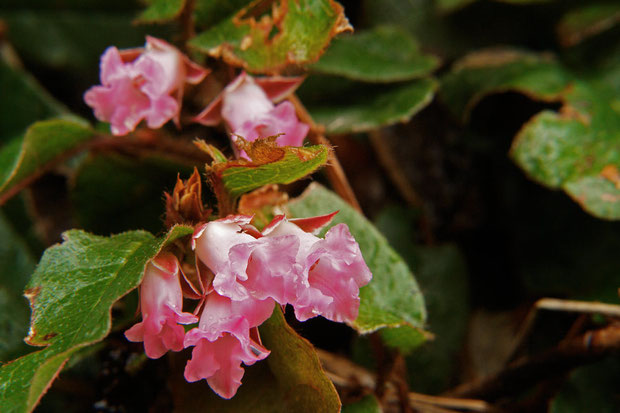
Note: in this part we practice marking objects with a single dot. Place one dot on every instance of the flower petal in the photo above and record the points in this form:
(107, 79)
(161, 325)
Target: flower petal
(219, 362)
(336, 273)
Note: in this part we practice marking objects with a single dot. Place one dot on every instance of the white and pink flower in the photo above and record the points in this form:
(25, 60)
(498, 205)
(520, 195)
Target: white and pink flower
(161, 303)
(249, 272)
(286, 263)
(142, 84)
(247, 107)
(224, 339)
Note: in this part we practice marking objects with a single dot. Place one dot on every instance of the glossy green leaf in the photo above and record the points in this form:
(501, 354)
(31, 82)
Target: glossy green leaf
(368, 404)
(587, 21)
(294, 32)
(576, 149)
(290, 379)
(383, 54)
(295, 164)
(44, 143)
(392, 298)
(22, 102)
(362, 107)
(71, 295)
(112, 193)
(161, 11)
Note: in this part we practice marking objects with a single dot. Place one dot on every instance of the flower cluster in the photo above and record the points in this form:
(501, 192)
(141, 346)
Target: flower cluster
(148, 84)
(246, 272)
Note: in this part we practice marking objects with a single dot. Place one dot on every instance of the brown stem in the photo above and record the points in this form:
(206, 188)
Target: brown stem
(186, 19)
(522, 374)
(556, 304)
(383, 365)
(142, 143)
(545, 391)
(334, 170)
(394, 171)
(149, 142)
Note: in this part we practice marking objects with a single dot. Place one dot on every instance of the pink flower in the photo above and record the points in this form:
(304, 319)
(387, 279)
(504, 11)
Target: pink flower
(287, 263)
(142, 84)
(161, 302)
(245, 272)
(225, 338)
(333, 270)
(247, 108)
(245, 266)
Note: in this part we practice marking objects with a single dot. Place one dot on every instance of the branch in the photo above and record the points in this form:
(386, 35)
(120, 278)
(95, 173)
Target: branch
(348, 375)
(520, 375)
(556, 304)
(394, 171)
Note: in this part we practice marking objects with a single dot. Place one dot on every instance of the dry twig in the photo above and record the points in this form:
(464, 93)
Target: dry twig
(346, 374)
(522, 374)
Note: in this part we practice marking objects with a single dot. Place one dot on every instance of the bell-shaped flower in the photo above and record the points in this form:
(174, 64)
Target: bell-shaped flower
(245, 266)
(161, 302)
(142, 84)
(246, 105)
(333, 270)
(226, 337)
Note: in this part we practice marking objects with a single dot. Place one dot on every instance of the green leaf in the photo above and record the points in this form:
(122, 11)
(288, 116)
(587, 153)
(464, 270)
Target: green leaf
(44, 143)
(361, 107)
(71, 294)
(290, 379)
(161, 11)
(392, 298)
(480, 74)
(295, 32)
(383, 54)
(368, 404)
(112, 193)
(295, 164)
(587, 21)
(22, 102)
(577, 149)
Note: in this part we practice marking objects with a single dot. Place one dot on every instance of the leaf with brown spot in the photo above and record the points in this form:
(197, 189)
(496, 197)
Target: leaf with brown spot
(71, 294)
(270, 164)
(293, 32)
(586, 21)
(574, 149)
